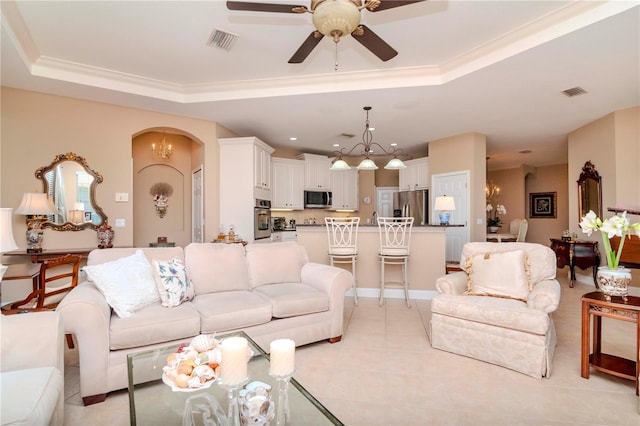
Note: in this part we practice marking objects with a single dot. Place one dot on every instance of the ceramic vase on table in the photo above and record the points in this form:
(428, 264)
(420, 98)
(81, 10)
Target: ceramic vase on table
(614, 282)
(493, 229)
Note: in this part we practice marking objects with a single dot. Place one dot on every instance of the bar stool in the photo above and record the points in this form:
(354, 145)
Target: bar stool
(395, 235)
(343, 244)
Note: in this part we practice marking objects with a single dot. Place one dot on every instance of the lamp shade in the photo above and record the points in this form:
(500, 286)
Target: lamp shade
(445, 203)
(395, 164)
(7, 243)
(367, 164)
(34, 204)
(340, 164)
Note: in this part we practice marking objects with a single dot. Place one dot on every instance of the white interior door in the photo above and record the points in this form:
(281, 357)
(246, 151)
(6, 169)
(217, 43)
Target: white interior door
(384, 201)
(197, 205)
(456, 185)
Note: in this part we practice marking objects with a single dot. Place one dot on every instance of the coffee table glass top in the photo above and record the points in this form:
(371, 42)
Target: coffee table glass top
(151, 402)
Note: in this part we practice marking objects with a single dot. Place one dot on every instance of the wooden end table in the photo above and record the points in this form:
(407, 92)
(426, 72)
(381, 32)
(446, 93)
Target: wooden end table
(595, 304)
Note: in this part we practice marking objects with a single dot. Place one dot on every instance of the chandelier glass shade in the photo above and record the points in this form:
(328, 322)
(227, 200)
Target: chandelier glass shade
(336, 18)
(367, 143)
(164, 149)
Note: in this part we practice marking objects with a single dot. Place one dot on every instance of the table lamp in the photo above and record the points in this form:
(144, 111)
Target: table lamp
(7, 243)
(444, 205)
(35, 205)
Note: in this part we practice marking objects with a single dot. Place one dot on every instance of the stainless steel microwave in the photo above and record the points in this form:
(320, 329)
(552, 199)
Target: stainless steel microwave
(317, 199)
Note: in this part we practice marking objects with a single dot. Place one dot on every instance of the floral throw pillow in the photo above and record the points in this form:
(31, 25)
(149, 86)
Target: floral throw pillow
(173, 282)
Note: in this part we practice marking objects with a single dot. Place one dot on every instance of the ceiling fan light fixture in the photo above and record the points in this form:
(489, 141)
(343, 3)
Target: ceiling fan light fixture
(395, 164)
(336, 18)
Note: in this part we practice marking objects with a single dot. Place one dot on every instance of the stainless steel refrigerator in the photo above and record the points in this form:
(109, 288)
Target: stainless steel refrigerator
(412, 204)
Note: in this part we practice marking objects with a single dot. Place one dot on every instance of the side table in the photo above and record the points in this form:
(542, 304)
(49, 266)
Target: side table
(581, 253)
(594, 304)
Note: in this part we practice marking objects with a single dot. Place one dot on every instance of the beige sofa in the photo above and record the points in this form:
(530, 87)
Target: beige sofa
(269, 290)
(516, 334)
(32, 369)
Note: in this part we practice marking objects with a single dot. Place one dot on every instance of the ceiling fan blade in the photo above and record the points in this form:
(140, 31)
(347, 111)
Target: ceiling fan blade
(264, 7)
(375, 44)
(389, 4)
(305, 49)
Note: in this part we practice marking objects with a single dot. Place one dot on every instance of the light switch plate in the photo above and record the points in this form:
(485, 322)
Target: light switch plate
(120, 223)
(122, 197)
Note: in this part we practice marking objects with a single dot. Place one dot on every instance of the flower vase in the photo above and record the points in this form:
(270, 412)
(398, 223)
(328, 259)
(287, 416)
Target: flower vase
(614, 282)
(493, 229)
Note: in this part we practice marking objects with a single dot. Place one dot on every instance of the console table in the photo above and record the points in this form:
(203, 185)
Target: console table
(594, 304)
(582, 253)
(47, 254)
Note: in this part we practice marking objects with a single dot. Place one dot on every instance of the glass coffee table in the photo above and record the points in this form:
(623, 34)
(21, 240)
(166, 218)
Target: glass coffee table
(152, 402)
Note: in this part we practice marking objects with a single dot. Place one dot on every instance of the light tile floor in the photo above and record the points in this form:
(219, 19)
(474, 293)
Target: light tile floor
(384, 372)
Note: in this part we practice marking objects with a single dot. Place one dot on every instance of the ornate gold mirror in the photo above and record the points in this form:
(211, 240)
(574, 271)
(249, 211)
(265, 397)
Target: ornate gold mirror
(589, 191)
(71, 185)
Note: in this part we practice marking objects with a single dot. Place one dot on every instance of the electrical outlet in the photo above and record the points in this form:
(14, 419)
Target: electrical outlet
(122, 197)
(121, 223)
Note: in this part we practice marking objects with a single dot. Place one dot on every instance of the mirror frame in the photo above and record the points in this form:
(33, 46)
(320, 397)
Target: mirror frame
(97, 179)
(589, 173)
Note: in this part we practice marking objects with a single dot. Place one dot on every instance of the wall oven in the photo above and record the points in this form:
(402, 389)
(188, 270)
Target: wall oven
(262, 219)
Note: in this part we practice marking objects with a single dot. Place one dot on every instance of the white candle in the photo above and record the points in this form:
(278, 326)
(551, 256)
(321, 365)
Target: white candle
(283, 357)
(234, 361)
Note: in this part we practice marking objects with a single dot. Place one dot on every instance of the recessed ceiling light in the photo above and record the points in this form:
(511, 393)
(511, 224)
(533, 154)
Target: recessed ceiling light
(293, 138)
(372, 128)
(335, 145)
(394, 144)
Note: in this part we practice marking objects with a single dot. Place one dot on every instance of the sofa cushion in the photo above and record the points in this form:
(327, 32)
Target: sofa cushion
(154, 324)
(173, 282)
(30, 397)
(126, 283)
(216, 267)
(507, 313)
(273, 263)
(231, 310)
(501, 274)
(292, 299)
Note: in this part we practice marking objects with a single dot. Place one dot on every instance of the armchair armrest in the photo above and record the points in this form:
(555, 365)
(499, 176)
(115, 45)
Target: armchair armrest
(30, 340)
(454, 283)
(545, 296)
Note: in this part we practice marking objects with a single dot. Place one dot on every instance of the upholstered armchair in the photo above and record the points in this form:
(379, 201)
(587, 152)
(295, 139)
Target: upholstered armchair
(498, 310)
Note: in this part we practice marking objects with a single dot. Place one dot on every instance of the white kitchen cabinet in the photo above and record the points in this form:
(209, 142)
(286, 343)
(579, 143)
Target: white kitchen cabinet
(240, 163)
(287, 184)
(262, 165)
(317, 173)
(415, 176)
(344, 184)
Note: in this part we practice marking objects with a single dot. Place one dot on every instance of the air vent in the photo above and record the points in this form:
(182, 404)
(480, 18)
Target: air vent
(525, 151)
(347, 135)
(222, 39)
(574, 91)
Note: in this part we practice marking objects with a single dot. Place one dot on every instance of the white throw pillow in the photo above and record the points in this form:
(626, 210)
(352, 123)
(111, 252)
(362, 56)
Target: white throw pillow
(172, 281)
(126, 283)
(499, 274)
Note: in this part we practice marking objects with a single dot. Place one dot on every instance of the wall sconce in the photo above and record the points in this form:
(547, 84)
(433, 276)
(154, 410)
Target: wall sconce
(36, 206)
(164, 150)
(444, 205)
(161, 192)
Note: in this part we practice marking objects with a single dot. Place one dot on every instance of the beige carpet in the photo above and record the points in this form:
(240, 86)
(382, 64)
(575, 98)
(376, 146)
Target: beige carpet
(384, 372)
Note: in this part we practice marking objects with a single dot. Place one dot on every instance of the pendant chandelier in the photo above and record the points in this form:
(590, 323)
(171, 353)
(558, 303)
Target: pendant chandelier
(367, 142)
(164, 150)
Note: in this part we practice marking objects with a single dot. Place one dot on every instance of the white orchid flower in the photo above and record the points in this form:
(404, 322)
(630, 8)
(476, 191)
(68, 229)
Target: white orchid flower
(590, 222)
(489, 207)
(501, 209)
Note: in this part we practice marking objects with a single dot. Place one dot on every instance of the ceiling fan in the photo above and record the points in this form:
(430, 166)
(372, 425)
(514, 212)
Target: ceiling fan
(333, 18)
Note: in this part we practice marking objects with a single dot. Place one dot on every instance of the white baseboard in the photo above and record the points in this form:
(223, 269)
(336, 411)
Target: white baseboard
(374, 293)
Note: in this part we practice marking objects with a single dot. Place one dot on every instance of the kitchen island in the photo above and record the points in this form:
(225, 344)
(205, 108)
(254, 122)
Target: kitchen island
(426, 263)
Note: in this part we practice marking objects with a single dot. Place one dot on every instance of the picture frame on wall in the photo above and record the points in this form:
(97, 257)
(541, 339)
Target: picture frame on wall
(542, 205)
(87, 217)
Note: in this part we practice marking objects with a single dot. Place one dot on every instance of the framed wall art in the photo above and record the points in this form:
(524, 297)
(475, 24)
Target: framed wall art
(542, 205)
